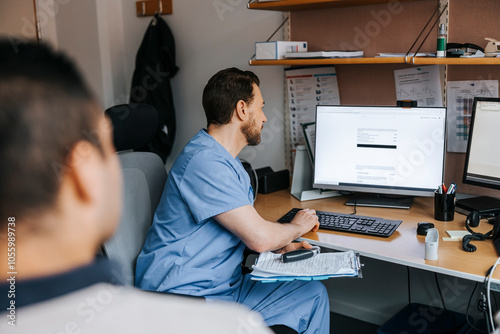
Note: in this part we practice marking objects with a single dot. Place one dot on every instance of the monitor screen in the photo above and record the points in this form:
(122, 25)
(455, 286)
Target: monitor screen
(482, 160)
(383, 150)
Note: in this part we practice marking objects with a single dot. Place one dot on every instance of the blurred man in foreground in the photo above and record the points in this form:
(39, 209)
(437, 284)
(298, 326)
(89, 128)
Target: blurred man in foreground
(60, 199)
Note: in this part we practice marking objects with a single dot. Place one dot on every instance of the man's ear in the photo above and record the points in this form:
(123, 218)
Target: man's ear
(82, 171)
(241, 111)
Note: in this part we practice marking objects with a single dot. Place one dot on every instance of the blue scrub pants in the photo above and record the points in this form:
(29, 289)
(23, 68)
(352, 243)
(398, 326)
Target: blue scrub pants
(300, 305)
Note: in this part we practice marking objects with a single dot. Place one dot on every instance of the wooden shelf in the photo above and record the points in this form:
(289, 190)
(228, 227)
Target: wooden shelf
(380, 60)
(330, 61)
(457, 61)
(291, 5)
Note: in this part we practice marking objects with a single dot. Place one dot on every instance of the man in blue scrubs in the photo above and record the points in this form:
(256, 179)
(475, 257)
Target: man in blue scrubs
(206, 218)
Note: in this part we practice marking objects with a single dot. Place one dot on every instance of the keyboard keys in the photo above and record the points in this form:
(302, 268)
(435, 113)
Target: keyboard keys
(350, 223)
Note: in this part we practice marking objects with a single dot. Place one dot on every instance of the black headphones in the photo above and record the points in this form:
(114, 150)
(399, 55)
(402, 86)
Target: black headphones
(473, 221)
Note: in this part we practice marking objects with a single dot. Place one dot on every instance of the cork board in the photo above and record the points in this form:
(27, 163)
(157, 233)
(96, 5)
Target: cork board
(393, 27)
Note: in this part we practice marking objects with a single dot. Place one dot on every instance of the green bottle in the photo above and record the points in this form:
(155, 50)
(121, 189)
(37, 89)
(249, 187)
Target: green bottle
(441, 42)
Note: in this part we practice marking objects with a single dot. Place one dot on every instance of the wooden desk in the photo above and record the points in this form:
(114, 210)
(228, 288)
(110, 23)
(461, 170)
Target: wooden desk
(404, 247)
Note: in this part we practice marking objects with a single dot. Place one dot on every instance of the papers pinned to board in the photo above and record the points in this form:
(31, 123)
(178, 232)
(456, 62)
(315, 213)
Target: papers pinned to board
(270, 268)
(422, 84)
(308, 87)
(460, 99)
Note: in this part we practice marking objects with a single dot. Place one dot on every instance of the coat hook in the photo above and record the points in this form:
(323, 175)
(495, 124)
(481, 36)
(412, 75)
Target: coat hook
(160, 5)
(143, 8)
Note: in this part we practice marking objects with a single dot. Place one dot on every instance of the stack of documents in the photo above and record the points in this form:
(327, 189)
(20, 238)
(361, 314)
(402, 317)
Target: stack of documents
(270, 268)
(325, 54)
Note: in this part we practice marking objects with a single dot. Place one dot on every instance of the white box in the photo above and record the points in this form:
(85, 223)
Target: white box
(277, 49)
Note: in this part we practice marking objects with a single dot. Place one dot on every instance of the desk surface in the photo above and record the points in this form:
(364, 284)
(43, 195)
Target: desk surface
(404, 247)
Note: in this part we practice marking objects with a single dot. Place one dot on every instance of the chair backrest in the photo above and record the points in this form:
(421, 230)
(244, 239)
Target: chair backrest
(144, 176)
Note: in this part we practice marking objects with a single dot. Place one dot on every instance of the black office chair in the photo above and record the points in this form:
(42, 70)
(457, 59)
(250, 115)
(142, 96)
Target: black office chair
(144, 176)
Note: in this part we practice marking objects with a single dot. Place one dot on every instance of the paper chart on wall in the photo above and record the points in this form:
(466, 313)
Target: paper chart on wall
(460, 98)
(421, 84)
(308, 87)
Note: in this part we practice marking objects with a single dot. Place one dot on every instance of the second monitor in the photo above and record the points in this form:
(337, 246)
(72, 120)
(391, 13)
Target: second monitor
(380, 150)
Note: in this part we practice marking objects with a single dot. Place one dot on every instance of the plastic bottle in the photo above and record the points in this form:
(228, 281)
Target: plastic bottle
(441, 42)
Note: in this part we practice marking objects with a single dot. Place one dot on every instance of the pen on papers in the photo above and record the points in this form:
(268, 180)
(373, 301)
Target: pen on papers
(299, 254)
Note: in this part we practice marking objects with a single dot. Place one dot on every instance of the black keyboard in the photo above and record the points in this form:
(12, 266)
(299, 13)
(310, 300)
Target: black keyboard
(350, 223)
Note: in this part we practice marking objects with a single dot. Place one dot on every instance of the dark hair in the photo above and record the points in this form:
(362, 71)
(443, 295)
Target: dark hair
(224, 90)
(45, 109)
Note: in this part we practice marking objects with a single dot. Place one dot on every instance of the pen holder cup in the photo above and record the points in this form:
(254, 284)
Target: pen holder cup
(444, 207)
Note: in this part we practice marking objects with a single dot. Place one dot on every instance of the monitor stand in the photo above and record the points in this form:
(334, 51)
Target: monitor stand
(302, 179)
(484, 204)
(379, 200)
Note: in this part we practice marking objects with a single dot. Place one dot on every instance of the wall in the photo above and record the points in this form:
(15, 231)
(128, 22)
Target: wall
(212, 35)
(104, 36)
(77, 35)
(16, 18)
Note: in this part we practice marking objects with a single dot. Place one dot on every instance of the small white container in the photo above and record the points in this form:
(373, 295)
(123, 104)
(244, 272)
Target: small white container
(432, 244)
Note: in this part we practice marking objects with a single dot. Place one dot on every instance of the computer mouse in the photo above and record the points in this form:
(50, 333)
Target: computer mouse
(422, 227)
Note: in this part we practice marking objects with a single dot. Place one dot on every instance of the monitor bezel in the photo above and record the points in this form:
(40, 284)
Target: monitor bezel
(385, 190)
(466, 179)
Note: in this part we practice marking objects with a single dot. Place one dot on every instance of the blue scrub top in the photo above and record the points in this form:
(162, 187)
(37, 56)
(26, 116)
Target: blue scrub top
(186, 251)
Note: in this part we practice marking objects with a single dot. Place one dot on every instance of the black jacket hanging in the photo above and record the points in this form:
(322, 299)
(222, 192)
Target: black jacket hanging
(154, 66)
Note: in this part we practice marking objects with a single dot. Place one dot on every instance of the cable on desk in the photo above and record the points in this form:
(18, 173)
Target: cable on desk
(439, 290)
(355, 203)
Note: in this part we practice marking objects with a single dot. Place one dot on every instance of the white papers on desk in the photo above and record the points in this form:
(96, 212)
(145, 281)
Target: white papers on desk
(269, 267)
(421, 84)
(308, 87)
(460, 98)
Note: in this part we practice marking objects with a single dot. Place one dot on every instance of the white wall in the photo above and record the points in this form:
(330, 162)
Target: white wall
(78, 36)
(212, 35)
(16, 19)
(104, 36)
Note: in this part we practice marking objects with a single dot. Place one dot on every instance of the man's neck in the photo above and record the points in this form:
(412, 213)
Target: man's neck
(44, 253)
(229, 136)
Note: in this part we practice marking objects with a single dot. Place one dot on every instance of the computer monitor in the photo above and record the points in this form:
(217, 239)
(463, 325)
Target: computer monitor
(380, 150)
(482, 158)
